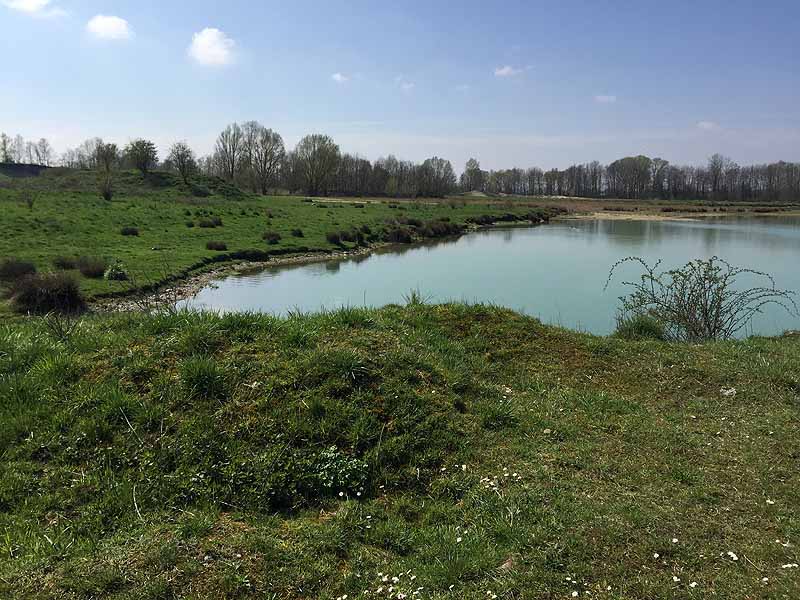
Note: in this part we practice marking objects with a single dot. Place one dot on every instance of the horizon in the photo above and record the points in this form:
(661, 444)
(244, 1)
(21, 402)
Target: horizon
(411, 81)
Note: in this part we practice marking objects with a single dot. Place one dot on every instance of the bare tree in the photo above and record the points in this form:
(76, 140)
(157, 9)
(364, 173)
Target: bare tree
(268, 156)
(182, 157)
(229, 149)
(6, 149)
(317, 157)
(106, 159)
(44, 152)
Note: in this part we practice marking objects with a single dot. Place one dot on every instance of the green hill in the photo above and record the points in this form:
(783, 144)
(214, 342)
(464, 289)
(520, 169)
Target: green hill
(468, 452)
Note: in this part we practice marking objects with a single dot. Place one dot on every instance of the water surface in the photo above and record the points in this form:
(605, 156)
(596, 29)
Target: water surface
(555, 272)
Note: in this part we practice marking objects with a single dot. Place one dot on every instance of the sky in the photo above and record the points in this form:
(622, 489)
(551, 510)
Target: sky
(511, 83)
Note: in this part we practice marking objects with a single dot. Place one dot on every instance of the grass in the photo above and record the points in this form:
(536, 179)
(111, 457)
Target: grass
(469, 447)
(175, 222)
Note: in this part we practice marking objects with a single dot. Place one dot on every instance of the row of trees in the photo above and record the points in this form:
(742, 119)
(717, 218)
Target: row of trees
(639, 177)
(20, 150)
(254, 157)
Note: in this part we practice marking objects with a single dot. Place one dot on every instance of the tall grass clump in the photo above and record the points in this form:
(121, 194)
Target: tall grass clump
(92, 267)
(129, 231)
(202, 378)
(12, 269)
(639, 326)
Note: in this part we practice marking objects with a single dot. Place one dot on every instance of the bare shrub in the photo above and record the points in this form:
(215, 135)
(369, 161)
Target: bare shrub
(702, 300)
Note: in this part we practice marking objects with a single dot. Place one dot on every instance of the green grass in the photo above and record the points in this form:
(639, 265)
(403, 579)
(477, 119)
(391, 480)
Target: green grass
(70, 219)
(469, 447)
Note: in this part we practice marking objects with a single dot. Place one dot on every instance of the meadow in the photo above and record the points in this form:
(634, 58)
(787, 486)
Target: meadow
(159, 228)
(413, 451)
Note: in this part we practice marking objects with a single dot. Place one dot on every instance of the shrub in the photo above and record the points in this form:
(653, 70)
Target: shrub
(639, 326)
(701, 300)
(12, 269)
(206, 223)
(217, 221)
(65, 263)
(271, 237)
(190, 224)
(398, 235)
(347, 236)
(333, 237)
(116, 272)
(92, 267)
(129, 231)
(217, 246)
(200, 191)
(41, 294)
(297, 233)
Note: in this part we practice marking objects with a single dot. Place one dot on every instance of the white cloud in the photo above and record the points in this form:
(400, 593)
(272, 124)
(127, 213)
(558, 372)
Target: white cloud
(707, 125)
(605, 99)
(340, 78)
(404, 84)
(35, 8)
(507, 71)
(212, 48)
(109, 28)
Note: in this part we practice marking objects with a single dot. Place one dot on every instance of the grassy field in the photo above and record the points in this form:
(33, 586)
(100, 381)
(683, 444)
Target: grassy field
(453, 451)
(68, 218)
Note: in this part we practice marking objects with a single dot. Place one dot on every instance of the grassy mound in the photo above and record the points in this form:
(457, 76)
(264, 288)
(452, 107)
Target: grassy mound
(467, 451)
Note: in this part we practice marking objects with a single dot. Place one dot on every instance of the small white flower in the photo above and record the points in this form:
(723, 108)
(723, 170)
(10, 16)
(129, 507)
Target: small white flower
(656, 555)
(674, 540)
(693, 585)
(733, 555)
(770, 502)
(341, 494)
(675, 578)
(574, 594)
(790, 566)
(458, 540)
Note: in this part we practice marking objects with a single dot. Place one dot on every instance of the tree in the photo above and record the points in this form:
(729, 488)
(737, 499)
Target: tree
(44, 152)
(228, 151)
(317, 157)
(183, 160)
(106, 157)
(6, 152)
(268, 154)
(142, 155)
(473, 178)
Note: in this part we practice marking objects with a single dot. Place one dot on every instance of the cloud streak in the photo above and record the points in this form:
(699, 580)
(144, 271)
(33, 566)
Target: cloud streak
(340, 78)
(605, 99)
(509, 71)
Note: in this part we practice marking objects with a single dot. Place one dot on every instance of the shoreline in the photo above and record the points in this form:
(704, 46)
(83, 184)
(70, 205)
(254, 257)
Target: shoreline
(190, 285)
(676, 216)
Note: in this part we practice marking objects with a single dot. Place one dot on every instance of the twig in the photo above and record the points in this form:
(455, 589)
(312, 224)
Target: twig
(131, 426)
(135, 505)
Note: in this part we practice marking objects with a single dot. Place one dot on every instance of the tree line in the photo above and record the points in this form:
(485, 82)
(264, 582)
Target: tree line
(254, 157)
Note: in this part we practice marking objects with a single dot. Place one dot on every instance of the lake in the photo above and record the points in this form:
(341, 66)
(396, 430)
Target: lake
(555, 272)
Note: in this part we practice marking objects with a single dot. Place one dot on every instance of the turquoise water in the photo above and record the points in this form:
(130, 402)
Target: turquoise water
(554, 272)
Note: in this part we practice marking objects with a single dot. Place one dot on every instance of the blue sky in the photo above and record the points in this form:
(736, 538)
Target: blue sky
(511, 83)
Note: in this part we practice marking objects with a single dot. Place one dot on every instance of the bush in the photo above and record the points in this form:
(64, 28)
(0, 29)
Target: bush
(297, 233)
(129, 231)
(41, 294)
(271, 237)
(190, 224)
(334, 238)
(701, 301)
(200, 191)
(92, 267)
(217, 246)
(398, 235)
(12, 269)
(116, 272)
(639, 326)
(347, 236)
(206, 224)
(65, 263)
